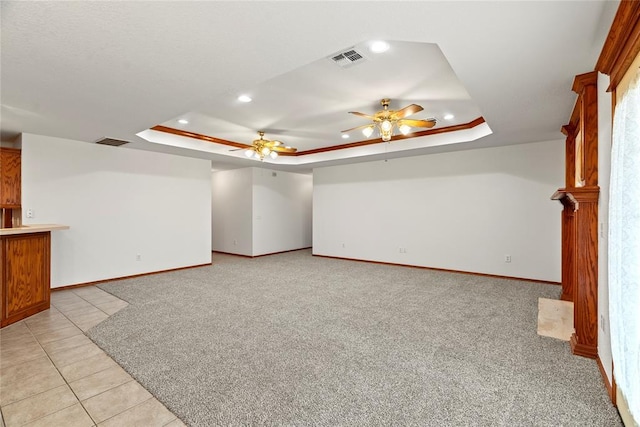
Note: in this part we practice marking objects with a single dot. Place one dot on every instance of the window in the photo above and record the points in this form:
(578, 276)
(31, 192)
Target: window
(624, 243)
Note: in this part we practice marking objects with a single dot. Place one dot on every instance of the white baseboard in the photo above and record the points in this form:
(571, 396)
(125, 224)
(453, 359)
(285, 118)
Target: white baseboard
(623, 409)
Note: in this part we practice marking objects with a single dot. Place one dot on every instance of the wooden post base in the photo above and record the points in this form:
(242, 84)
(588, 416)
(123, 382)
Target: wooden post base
(583, 350)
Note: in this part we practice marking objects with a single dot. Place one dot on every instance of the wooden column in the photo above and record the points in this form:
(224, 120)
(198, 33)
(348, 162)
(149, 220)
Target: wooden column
(586, 86)
(580, 217)
(568, 212)
(584, 341)
(568, 244)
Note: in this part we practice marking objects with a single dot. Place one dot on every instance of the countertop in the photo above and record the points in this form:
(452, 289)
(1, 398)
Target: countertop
(32, 228)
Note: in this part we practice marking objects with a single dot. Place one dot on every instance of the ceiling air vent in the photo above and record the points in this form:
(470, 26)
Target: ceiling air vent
(112, 142)
(348, 58)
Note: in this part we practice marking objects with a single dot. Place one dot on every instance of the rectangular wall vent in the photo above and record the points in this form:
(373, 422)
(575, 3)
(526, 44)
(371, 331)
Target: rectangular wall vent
(348, 58)
(111, 141)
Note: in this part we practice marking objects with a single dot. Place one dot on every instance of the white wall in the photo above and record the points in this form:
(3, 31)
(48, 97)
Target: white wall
(604, 172)
(256, 212)
(231, 199)
(281, 211)
(461, 211)
(119, 203)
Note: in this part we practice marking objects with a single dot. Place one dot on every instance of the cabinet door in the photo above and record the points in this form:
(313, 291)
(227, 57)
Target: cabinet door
(10, 172)
(26, 274)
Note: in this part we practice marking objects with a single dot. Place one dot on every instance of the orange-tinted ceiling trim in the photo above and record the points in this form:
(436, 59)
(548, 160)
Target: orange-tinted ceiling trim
(180, 132)
(199, 136)
(435, 131)
(207, 138)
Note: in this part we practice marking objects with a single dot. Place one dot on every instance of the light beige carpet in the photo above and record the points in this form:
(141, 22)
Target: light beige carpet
(555, 318)
(297, 340)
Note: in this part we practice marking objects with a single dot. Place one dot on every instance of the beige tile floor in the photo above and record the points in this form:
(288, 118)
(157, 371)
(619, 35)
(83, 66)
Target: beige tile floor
(51, 374)
(555, 318)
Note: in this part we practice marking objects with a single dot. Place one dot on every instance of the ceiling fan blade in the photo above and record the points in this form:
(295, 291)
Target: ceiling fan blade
(429, 123)
(284, 149)
(361, 115)
(406, 111)
(357, 127)
(272, 144)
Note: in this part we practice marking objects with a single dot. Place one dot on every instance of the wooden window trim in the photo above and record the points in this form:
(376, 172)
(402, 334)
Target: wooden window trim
(622, 44)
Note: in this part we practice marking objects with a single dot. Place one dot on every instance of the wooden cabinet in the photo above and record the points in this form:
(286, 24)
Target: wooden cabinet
(580, 216)
(25, 274)
(10, 172)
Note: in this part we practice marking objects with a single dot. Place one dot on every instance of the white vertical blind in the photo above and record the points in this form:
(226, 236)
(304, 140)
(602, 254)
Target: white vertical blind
(624, 246)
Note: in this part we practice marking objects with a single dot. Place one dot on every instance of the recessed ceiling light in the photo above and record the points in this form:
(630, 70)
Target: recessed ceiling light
(183, 121)
(244, 98)
(449, 116)
(379, 46)
(345, 136)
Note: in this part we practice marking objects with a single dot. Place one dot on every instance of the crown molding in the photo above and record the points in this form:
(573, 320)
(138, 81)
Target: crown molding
(207, 138)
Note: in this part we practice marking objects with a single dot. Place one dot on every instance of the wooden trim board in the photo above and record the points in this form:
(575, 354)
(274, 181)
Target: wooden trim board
(622, 44)
(497, 276)
(96, 282)
(610, 387)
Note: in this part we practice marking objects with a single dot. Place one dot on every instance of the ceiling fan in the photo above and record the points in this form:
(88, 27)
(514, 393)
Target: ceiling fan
(386, 120)
(261, 148)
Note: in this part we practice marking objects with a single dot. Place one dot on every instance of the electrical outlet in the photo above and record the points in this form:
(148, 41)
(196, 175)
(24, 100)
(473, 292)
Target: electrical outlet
(29, 213)
(138, 257)
(343, 245)
(602, 322)
(507, 258)
(403, 250)
(235, 242)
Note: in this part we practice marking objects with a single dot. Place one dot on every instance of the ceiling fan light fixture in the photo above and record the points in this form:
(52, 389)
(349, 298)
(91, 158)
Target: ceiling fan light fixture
(244, 98)
(449, 116)
(261, 148)
(368, 131)
(388, 121)
(386, 130)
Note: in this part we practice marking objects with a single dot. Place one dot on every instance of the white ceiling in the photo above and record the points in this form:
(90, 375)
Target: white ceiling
(86, 70)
